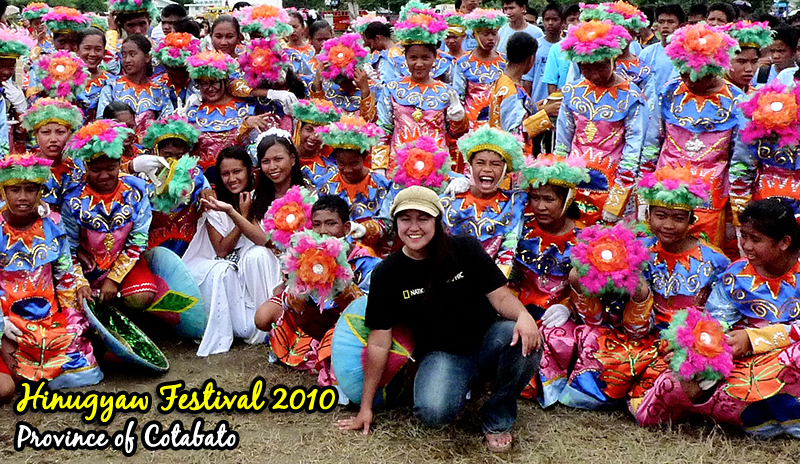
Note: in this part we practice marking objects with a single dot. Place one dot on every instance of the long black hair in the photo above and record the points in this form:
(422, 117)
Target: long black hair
(265, 189)
(773, 217)
(145, 46)
(237, 153)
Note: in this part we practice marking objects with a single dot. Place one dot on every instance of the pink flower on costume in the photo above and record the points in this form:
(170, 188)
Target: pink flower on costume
(609, 260)
(288, 215)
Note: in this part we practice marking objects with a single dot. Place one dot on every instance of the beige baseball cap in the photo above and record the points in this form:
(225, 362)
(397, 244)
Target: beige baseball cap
(419, 198)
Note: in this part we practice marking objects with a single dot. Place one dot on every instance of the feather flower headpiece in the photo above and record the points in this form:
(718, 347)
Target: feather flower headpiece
(593, 41)
(288, 215)
(63, 20)
(267, 20)
(750, 34)
(47, 110)
(317, 266)
(698, 345)
(103, 137)
(35, 10)
(123, 7)
(422, 26)
(316, 112)
(422, 162)
(555, 170)
(486, 138)
(701, 50)
(264, 61)
(170, 127)
(176, 48)
(620, 13)
(609, 260)
(482, 19)
(210, 64)
(15, 43)
(345, 54)
(773, 114)
(177, 185)
(98, 22)
(17, 168)
(360, 24)
(455, 23)
(62, 74)
(351, 133)
(674, 188)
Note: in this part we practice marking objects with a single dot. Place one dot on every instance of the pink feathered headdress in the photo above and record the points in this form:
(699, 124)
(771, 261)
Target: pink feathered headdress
(700, 50)
(345, 54)
(422, 162)
(774, 115)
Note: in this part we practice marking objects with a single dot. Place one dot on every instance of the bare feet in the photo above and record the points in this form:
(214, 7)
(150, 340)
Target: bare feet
(498, 442)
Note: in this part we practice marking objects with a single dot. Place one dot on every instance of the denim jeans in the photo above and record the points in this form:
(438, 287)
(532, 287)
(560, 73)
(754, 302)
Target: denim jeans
(443, 380)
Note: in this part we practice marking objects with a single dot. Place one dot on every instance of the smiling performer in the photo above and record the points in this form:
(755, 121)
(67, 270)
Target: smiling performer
(43, 327)
(491, 214)
(417, 105)
(448, 293)
(756, 302)
(601, 120)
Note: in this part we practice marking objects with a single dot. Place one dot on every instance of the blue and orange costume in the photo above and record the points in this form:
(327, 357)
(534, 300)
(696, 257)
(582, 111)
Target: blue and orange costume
(149, 101)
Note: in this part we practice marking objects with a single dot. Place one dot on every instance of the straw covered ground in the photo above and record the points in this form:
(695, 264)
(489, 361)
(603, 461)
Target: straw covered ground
(558, 435)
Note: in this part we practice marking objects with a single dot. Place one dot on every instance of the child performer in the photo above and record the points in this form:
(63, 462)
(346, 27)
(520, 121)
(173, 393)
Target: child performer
(684, 268)
(44, 330)
(13, 45)
(300, 331)
(698, 120)
(417, 105)
(92, 49)
(491, 214)
(52, 122)
(542, 265)
(309, 116)
(754, 41)
(756, 299)
(368, 193)
(176, 197)
(107, 219)
(475, 74)
(601, 119)
(172, 53)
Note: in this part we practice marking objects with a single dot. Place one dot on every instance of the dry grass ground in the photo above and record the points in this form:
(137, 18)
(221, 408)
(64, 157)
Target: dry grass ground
(559, 435)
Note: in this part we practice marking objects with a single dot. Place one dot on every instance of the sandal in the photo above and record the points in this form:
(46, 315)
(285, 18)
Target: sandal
(491, 442)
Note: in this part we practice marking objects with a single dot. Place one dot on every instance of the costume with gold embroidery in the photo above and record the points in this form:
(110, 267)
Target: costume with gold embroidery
(761, 394)
(473, 79)
(497, 222)
(605, 127)
(89, 98)
(148, 101)
(408, 110)
(220, 126)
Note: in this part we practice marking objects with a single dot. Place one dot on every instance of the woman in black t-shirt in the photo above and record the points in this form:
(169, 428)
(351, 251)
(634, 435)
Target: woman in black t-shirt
(454, 299)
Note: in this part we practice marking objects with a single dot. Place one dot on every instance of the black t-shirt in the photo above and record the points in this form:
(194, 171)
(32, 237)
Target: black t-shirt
(456, 317)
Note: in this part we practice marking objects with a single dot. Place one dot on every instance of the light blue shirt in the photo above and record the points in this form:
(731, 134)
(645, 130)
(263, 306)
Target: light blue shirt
(556, 68)
(506, 32)
(663, 71)
(786, 77)
(536, 75)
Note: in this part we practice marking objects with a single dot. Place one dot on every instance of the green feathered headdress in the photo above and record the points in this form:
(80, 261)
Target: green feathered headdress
(405, 11)
(750, 34)
(177, 186)
(351, 133)
(98, 22)
(65, 20)
(594, 41)
(674, 188)
(46, 110)
(315, 111)
(486, 138)
(35, 11)
(171, 127)
(422, 26)
(103, 137)
(15, 43)
(481, 19)
(210, 64)
(620, 13)
(129, 7)
(17, 168)
(555, 170)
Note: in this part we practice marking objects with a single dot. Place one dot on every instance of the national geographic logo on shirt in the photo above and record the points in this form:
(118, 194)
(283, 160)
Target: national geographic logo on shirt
(419, 291)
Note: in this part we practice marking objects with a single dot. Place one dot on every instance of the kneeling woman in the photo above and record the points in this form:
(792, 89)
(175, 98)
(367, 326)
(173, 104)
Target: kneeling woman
(757, 297)
(448, 292)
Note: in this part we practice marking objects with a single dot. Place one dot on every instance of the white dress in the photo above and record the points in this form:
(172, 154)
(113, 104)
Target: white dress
(232, 292)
